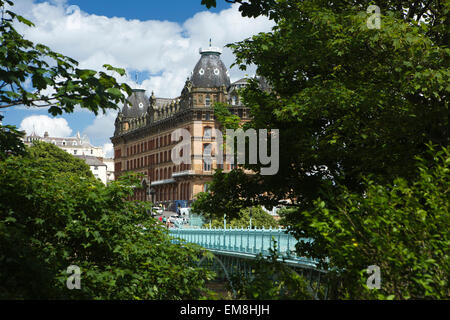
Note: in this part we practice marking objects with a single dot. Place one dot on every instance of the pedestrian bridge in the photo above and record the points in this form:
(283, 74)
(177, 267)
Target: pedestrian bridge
(234, 249)
(246, 243)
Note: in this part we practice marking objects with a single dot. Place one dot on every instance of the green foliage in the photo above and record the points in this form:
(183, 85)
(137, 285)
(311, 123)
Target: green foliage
(402, 227)
(47, 155)
(10, 141)
(225, 117)
(22, 60)
(51, 218)
(225, 195)
(271, 279)
(355, 107)
(260, 219)
(249, 8)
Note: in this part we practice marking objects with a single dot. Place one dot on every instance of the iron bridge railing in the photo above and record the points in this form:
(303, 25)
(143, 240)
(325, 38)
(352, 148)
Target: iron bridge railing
(246, 243)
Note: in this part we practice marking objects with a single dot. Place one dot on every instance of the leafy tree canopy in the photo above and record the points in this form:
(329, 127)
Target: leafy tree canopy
(51, 218)
(355, 107)
(47, 155)
(402, 227)
(259, 219)
(349, 101)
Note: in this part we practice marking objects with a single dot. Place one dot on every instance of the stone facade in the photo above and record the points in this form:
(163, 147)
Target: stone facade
(142, 137)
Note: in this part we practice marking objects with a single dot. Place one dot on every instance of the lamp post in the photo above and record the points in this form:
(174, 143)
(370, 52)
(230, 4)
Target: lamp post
(225, 221)
(152, 192)
(145, 187)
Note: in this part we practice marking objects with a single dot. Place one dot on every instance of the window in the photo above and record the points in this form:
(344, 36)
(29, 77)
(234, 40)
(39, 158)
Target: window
(63, 143)
(207, 159)
(74, 151)
(74, 143)
(207, 100)
(92, 151)
(95, 168)
(208, 116)
(207, 133)
(233, 100)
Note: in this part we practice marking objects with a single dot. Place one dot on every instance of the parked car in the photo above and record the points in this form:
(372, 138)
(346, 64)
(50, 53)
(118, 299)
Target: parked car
(158, 210)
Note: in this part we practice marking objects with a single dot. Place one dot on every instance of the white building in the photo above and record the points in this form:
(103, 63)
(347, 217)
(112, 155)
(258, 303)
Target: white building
(98, 168)
(77, 145)
(109, 168)
(80, 147)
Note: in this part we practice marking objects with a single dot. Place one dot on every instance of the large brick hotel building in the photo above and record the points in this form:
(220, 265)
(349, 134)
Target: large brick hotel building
(142, 137)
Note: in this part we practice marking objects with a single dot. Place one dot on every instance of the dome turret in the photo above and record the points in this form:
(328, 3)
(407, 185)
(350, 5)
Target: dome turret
(136, 105)
(210, 71)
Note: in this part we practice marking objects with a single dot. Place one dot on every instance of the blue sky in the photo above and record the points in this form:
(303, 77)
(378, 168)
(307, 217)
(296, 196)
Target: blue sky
(172, 10)
(157, 40)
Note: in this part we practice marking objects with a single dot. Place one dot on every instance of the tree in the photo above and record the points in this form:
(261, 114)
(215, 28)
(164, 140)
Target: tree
(52, 218)
(351, 104)
(46, 155)
(403, 228)
(260, 219)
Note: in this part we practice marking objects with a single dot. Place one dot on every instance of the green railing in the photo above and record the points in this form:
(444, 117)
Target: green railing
(245, 242)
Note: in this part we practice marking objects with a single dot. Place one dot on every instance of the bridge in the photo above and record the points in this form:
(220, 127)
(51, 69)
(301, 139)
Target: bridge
(233, 249)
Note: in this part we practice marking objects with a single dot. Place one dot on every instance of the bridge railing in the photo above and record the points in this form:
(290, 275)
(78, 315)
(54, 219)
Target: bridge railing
(247, 241)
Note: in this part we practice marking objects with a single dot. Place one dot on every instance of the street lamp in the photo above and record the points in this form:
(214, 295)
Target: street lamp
(145, 186)
(148, 190)
(152, 192)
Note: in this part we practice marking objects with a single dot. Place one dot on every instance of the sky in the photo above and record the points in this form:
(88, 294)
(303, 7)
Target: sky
(155, 41)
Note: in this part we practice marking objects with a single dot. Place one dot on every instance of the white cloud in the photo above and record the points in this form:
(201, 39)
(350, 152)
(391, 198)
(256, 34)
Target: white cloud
(108, 149)
(56, 127)
(165, 48)
(168, 51)
(102, 128)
